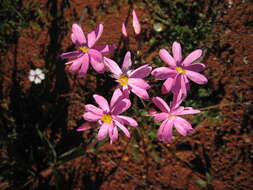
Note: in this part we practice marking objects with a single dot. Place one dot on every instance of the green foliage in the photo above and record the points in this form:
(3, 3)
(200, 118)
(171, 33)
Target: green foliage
(11, 21)
(188, 22)
(207, 182)
(201, 182)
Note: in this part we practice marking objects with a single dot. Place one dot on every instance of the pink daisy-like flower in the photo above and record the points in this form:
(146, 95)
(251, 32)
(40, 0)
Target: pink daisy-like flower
(87, 51)
(130, 80)
(179, 71)
(171, 117)
(108, 116)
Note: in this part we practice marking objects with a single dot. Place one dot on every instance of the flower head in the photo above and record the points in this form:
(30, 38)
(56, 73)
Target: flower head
(88, 52)
(130, 80)
(171, 116)
(179, 71)
(36, 76)
(108, 115)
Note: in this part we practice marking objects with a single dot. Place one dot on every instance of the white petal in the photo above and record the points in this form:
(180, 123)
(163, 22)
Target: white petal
(31, 78)
(37, 81)
(42, 76)
(38, 71)
(32, 72)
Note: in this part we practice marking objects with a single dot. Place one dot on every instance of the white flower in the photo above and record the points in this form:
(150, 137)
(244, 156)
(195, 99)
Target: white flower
(36, 76)
(230, 3)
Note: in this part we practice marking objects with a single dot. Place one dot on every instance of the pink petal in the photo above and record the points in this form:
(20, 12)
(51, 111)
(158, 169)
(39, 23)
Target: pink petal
(91, 39)
(102, 102)
(167, 58)
(167, 85)
(188, 110)
(198, 67)
(161, 104)
(196, 77)
(177, 100)
(74, 39)
(179, 86)
(127, 62)
(89, 116)
(112, 66)
(184, 82)
(151, 112)
(142, 93)
(182, 126)
(192, 57)
(160, 116)
(71, 54)
(94, 35)
(99, 31)
(71, 61)
(103, 131)
(123, 30)
(77, 35)
(110, 130)
(96, 60)
(84, 66)
(165, 131)
(160, 130)
(93, 109)
(177, 52)
(136, 24)
(117, 95)
(141, 72)
(105, 49)
(162, 73)
(138, 82)
(176, 110)
(121, 106)
(85, 126)
(126, 92)
(76, 64)
(113, 133)
(126, 120)
(187, 83)
(123, 128)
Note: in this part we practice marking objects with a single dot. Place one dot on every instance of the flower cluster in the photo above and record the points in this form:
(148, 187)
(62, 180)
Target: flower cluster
(177, 75)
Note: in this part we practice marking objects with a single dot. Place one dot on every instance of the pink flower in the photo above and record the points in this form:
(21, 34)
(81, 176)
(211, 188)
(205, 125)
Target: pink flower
(108, 115)
(123, 30)
(171, 117)
(179, 71)
(136, 24)
(87, 51)
(130, 80)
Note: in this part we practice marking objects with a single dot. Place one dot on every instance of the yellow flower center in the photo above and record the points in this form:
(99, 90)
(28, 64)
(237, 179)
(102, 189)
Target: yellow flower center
(84, 49)
(180, 70)
(106, 118)
(123, 80)
(171, 117)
